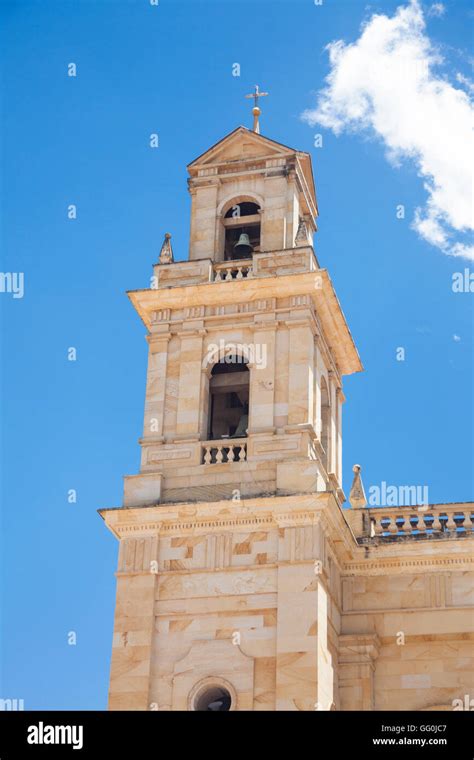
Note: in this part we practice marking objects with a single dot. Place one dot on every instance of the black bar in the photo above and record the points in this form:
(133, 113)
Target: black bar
(316, 735)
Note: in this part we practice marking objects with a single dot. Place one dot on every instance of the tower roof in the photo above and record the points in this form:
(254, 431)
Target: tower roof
(244, 144)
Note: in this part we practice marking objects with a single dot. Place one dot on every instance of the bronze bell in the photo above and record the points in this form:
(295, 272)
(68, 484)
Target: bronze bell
(242, 248)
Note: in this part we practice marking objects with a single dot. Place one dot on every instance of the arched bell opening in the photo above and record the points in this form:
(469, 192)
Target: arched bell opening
(242, 231)
(229, 398)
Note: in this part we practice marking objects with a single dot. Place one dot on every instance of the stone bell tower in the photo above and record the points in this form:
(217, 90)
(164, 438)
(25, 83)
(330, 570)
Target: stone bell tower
(228, 582)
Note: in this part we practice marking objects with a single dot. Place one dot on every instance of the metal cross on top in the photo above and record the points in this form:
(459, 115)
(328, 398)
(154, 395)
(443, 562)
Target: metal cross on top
(256, 110)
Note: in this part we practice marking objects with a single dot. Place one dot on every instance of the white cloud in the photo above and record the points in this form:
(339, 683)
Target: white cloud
(456, 338)
(437, 9)
(385, 84)
(465, 81)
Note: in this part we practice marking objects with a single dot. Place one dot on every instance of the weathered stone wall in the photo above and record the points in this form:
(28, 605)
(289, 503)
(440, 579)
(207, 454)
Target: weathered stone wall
(424, 625)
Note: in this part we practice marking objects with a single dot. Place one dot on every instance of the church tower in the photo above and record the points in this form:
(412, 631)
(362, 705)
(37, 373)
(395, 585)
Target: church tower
(230, 536)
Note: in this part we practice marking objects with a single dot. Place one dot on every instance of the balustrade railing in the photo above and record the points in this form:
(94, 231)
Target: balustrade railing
(232, 270)
(420, 522)
(223, 451)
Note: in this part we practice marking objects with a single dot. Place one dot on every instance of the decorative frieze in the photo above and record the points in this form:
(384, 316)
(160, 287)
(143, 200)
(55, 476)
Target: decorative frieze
(138, 554)
(161, 315)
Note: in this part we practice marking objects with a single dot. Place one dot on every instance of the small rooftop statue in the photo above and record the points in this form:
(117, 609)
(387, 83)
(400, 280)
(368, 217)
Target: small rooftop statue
(357, 496)
(302, 233)
(166, 253)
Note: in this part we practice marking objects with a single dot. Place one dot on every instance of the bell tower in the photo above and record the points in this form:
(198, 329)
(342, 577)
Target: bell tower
(228, 580)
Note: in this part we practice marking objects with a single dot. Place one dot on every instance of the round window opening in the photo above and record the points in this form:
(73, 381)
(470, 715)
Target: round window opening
(212, 694)
(213, 699)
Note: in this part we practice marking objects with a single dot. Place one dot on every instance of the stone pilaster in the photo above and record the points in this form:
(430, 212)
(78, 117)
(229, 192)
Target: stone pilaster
(304, 677)
(300, 373)
(339, 400)
(357, 655)
(189, 389)
(262, 389)
(156, 386)
(133, 624)
(332, 463)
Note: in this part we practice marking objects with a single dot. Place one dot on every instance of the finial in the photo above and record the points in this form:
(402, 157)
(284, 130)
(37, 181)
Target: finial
(357, 497)
(166, 253)
(301, 237)
(256, 110)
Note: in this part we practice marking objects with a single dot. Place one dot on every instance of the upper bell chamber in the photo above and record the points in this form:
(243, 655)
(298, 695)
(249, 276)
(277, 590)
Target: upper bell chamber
(252, 199)
(247, 184)
(247, 341)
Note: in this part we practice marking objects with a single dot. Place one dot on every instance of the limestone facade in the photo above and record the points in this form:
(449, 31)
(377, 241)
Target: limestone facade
(240, 573)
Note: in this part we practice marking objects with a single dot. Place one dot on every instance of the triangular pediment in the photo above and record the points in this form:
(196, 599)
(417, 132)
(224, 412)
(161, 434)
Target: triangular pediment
(241, 144)
(244, 144)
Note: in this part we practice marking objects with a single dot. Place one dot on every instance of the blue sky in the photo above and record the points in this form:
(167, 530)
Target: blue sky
(85, 141)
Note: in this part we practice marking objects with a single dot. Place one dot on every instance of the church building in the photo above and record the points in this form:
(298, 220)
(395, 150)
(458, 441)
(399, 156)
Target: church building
(244, 582)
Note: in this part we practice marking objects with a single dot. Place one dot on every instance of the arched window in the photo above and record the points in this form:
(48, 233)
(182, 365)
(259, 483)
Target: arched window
(325, 423)
(229, 398)
(242, 230)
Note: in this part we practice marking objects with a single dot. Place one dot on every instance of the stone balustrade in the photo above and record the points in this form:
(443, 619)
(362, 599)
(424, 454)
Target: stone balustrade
(224, 451)
(442, 520)
(232, 270)
(298, 260)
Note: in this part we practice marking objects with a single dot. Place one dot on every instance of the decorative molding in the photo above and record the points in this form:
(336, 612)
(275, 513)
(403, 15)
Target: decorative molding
(137, 554)
(161, 315)
(162, 454)
(360, 648)
(297, 519)
(193, 312)
(192, 333)
(375, 566)
(301, 301)
(275, 520)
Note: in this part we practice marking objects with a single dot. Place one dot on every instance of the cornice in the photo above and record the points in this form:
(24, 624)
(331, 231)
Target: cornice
(273, 511)
(332, 318)
(215, 524)
(384, 566)
(278, 512)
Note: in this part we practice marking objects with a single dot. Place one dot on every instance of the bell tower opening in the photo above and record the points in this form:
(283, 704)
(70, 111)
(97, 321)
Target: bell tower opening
(242, 231)
(229, 398)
